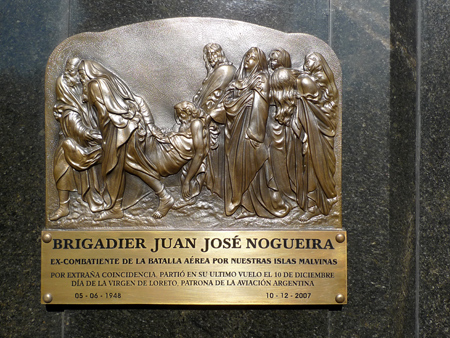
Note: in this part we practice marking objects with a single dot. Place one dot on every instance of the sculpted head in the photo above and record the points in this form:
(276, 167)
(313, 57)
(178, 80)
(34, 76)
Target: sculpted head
(313, 62)
(89, 70)
(317, 66)
(214, 54)
(71, 71)
(82, 71)
(284, 93)
(72, 64)
(279, 58)
(185, 111)
(254, 60)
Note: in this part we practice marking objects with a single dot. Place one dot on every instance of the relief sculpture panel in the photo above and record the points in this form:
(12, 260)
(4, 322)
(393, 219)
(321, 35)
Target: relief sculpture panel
(193, 161)
(193, 123)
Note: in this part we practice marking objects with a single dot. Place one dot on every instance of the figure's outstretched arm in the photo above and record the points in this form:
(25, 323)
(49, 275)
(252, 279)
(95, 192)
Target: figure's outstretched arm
(158, 133)
(199, 155)
(219, 114)
(145, 110)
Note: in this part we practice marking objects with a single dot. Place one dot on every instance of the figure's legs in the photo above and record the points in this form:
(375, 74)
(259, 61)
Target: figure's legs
(63, 209)
(183, 203)
(166, 200)
(65, 180)
(116, 211)
(196, 185)
(312, 209)
(245, 213)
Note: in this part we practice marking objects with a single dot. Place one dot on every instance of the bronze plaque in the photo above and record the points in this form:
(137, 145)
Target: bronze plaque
(204, 125)
(191, 267)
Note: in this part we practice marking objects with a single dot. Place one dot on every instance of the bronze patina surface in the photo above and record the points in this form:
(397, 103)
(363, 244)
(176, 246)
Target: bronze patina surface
(139, 134)
(193, 130)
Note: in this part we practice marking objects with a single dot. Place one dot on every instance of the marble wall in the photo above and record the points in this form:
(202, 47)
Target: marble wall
(396, 169)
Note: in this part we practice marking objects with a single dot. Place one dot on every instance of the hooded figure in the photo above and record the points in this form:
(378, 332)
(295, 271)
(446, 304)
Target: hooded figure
(306, 103)
(276, 132)
(124, 121)
(247, 173)
(79, 147)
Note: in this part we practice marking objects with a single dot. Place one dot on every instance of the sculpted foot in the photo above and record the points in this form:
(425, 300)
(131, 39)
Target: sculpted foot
(333, 200)
(109, 214)
(61, 212)
(314, 211)
(182, 203)
(165, 203)
(245, 214)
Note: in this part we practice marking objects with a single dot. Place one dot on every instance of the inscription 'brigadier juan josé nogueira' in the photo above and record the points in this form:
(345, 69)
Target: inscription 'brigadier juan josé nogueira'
(191, 243)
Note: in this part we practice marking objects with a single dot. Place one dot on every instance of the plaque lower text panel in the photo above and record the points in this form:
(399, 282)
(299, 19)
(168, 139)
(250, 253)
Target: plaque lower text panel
(194, 267)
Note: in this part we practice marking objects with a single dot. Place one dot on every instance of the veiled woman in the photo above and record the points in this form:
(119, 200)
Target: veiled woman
(279, 58)
(247, 172)
(318, 68)
(123, 120)
(276, 133)
(306, 103)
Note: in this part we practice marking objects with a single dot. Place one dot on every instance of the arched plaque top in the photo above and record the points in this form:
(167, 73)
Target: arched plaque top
(162, 63)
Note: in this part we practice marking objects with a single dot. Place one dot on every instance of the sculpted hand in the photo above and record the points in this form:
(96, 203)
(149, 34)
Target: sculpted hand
(156, 132)
(185, 190)
(57, 115)
(305, 148)
(132, 110)
(94, 136)
(255, 144)
(57, 112)
(208, 120)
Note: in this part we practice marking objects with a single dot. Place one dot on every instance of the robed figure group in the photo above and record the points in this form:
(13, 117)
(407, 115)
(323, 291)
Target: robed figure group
(261, 137)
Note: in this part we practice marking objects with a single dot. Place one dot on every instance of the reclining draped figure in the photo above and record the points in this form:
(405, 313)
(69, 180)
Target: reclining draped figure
(130, 142)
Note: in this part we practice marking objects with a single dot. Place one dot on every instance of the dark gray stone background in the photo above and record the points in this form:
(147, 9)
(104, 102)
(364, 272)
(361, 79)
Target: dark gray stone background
(396, 169)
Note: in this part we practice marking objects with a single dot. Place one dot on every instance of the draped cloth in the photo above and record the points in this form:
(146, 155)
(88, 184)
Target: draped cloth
(169, 156)
(277, 141)
(75, 156)
(312, 175)
(248, 176)
(121, 123)
(213, 87)
(207, 98)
